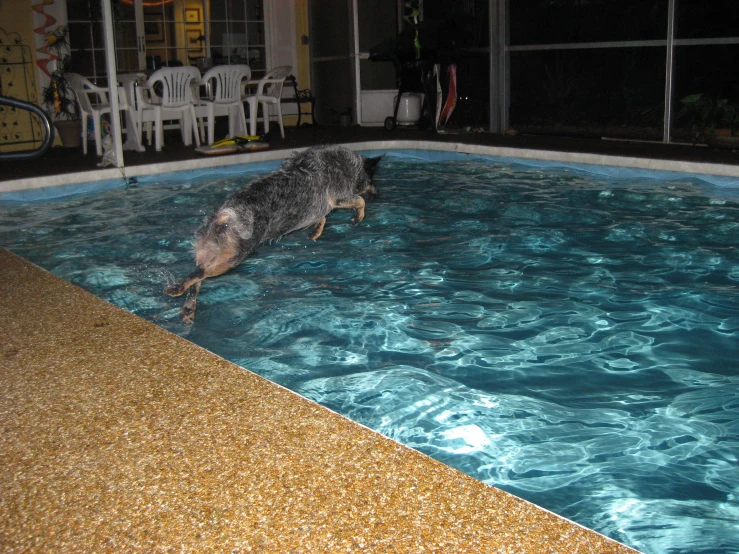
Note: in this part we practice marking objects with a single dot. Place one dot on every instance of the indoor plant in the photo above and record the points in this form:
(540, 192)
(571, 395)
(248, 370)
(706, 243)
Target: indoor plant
(58, 97)
(715, 120)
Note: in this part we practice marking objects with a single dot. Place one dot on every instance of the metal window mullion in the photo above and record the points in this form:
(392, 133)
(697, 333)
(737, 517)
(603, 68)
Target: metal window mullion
(228, 32)
(354, 41)
(669, 71)
(206, 27)
(492, 23)
(92, 51)
(246, 33)
(705, 41)
(504, 63)
(587, 45)
(110, 61)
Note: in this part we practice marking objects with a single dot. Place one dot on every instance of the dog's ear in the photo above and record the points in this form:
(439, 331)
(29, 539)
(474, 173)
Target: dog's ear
(371, 163)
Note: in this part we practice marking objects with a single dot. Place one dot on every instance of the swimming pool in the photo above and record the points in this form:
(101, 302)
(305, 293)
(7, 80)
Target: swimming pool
(567, 337)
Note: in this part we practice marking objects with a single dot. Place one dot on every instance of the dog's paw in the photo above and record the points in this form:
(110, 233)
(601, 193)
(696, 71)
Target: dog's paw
(174, 290)
(187, 313)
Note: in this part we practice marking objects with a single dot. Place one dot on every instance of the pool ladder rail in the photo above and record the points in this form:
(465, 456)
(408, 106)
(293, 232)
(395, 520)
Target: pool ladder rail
(45, 123)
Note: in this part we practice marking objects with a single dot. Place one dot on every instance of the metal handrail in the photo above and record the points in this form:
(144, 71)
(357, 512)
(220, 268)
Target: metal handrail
(46, 124)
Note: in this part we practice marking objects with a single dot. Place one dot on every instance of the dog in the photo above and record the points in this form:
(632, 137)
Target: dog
(299, 194)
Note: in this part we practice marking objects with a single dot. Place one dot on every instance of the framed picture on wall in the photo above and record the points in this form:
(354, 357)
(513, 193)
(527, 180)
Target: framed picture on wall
(195, 39)
(192, 15)
(154, 27)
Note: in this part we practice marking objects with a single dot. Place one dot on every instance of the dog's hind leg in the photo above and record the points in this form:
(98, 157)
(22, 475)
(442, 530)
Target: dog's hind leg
(318, 229)
(193, 282)
(213, 267)
(179, 289)
(356, 202)
(188, 308)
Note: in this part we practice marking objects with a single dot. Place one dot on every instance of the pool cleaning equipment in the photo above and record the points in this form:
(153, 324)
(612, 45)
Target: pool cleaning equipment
(409, 108)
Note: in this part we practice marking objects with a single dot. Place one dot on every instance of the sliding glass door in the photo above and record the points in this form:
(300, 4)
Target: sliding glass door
(331, 57)
(154, 33)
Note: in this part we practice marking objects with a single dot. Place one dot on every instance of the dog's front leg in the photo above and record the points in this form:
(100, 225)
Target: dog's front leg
(318, 229)
(356, 202)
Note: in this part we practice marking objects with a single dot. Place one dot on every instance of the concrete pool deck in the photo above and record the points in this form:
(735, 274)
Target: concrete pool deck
(120, 436)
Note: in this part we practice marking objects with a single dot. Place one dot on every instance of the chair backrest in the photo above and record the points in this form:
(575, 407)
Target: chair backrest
(176, 83)
(81, 87)
(227, 80)
(271, 84)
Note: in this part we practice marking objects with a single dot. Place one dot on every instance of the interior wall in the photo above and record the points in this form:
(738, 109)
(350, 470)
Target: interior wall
(302, 50)
(18, 81)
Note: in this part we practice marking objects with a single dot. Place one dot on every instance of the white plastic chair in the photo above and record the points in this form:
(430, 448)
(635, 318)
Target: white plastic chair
(269, 93)
(224, 85)
(93, 102)
(175, 102)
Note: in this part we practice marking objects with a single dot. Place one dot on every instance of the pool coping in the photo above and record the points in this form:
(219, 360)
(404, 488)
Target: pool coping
(119, 435)
(118, 177)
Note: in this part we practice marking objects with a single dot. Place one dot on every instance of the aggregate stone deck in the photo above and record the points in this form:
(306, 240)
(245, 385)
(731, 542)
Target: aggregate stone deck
(118, 436)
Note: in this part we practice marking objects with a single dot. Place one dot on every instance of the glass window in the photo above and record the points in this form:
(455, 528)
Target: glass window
(617, 92)
(567, 21)
(327, 38)
(706, 70)
(461, 24)
(701, 19)
(175, 33)
(237, 34)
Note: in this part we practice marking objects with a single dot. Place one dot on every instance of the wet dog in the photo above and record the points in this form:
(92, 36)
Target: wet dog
(299, 194)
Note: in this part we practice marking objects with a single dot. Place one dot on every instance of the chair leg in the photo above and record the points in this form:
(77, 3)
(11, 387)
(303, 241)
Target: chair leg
(265, 117)
(159, 131)
(83, 132)
(211, 123)
(96, 124)
(185, 127)
(242, 118)
(202, 121)
(139, 117)
(253, 107)
(279, 118)
(231, 122)
(140, 128)
(194, 126)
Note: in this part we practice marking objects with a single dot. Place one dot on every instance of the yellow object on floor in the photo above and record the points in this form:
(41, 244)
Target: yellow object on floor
(240, 143)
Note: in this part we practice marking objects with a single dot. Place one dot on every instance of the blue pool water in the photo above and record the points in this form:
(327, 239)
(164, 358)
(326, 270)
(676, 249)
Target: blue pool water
(566, 337)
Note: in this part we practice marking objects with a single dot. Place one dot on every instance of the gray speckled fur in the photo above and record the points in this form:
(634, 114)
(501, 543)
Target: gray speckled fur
(300, 193)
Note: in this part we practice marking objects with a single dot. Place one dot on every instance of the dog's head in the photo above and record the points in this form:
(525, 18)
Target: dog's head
(368, 191)
(370, 164)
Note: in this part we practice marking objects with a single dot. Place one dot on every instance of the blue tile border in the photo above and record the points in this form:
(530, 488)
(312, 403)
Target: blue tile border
(621, 172)
(52, 193)
(218, 172)
(47, 194)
